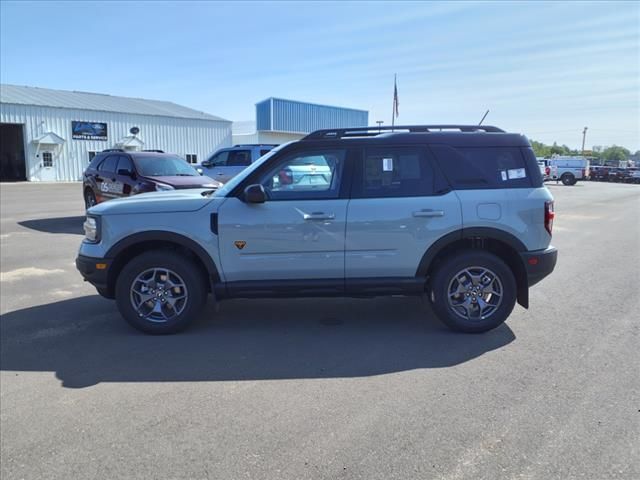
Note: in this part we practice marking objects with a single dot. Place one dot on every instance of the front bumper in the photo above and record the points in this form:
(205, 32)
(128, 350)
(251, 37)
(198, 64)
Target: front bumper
(539, 263)
(96, 272)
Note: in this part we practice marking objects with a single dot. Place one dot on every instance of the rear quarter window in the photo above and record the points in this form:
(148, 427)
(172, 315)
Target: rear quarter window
(488, 167)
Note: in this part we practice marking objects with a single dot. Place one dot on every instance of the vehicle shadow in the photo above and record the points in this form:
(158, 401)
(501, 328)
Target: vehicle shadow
(69, 225)
(85, 342)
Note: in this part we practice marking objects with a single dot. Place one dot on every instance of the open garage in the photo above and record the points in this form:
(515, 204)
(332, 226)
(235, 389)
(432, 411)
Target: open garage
(12, 166)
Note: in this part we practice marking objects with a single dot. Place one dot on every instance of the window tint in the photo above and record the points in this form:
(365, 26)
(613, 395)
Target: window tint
(239, 158)
(484, 167)
(395, 172)
(109, 164)
(220, 159)
(164, 166)
(92, 155)
(307, 175)
(124, 163)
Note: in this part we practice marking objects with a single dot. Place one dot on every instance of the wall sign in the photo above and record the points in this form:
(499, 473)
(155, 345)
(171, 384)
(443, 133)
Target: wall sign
(88, 131)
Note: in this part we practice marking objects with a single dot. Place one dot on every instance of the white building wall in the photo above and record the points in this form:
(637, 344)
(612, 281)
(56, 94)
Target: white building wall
(170, 134)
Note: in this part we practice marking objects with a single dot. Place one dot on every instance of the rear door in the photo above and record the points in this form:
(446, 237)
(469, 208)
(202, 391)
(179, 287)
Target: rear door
(106, 178)
(298, 233)
(399, 207)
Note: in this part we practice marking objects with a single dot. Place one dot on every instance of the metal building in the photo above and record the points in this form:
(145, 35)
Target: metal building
(51, 135)
(279, 120)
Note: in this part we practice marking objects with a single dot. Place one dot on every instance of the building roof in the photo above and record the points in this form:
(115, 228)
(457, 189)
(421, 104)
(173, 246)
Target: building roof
(46, 97)
(299, 102)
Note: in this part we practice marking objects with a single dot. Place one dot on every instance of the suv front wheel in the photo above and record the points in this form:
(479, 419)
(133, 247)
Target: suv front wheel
(160, 292)
(473, 291)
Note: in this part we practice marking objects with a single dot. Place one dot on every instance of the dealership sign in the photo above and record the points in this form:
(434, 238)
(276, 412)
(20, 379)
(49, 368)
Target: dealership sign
(88, 131)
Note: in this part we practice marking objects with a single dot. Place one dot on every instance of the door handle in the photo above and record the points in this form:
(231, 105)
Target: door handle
(427, 212)
(318, 216)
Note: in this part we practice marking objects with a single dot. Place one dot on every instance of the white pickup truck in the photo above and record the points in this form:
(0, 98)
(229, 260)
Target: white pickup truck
(569, 169)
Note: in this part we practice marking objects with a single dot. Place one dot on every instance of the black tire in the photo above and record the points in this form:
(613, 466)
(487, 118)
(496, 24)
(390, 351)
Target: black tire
(184, 267)
(568, 179)
(89, 199)
(444, 275)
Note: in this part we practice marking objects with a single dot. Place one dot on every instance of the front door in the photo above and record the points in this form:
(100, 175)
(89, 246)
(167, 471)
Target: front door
(299, 232)
(47, 166)
(227, 164)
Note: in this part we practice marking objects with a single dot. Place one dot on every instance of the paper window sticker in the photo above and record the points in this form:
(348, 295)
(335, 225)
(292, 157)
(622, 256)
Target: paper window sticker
(387, 164)
(504, 175)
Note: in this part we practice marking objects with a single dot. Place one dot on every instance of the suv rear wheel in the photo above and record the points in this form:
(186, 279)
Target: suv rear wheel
(473, 291)
(160, 292)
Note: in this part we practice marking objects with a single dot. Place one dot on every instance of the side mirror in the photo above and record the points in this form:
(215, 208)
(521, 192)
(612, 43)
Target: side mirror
(206, 164)
(125, 173)
(255, 194)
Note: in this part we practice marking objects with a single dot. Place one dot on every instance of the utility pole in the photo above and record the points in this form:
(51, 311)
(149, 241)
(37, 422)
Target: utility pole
(584, 137)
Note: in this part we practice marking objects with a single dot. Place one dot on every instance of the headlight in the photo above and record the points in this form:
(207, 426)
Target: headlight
(163, 187)
(92, 229)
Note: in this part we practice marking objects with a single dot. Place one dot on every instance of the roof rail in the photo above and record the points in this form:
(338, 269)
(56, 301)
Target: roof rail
(153, 151)
(113, 150)
(333, 133)
(256, 145)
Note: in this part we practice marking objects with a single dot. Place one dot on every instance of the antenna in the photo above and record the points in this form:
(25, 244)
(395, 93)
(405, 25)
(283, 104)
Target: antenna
(483, 117)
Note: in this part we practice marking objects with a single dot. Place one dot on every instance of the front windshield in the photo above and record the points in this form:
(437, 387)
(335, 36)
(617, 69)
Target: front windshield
(164, 166)
(231, 184)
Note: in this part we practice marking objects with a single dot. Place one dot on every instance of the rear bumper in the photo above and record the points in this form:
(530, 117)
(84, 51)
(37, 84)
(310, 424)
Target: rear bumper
(98, 277)
(539, 263)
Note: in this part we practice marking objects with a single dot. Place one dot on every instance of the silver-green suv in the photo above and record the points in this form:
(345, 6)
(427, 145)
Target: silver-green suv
(456, 213)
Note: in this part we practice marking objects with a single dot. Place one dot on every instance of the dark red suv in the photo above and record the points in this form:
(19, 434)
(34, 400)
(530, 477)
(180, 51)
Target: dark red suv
(116, 173)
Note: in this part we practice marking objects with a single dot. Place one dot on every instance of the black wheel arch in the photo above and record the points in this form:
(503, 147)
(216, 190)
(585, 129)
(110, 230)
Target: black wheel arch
(499, 242)
(122, 251)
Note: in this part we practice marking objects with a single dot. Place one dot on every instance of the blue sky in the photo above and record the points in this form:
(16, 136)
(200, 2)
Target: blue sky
(544, 69)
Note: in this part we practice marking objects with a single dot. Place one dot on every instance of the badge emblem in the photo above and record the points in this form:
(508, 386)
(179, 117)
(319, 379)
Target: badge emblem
(239, 244)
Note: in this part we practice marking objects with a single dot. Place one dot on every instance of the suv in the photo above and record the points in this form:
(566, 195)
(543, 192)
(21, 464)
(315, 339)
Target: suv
(456, 213)
(116, 173)
(226, 163)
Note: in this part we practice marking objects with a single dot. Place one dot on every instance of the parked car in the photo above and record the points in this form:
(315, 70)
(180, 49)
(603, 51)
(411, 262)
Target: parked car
(615, 174)
(545, 170)
(569, 169)
(226, 163)
(460, 216)
(633, 175)
(117, 173)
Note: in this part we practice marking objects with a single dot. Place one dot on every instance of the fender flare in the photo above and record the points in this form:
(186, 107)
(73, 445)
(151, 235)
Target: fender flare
(473, 232)
(164, 236)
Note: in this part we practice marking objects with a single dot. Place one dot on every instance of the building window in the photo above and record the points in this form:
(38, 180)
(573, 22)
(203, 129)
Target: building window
(192, 158)
(47, 159)
(91, 155)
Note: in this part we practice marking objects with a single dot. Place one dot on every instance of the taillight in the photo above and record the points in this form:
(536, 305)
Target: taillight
(549, 215)
(547, 171)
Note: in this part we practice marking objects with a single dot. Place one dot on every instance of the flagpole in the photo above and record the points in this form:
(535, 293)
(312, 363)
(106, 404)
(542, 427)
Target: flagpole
(393, 110)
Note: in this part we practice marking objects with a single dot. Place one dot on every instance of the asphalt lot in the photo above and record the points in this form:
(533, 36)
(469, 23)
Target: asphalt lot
(322, 388)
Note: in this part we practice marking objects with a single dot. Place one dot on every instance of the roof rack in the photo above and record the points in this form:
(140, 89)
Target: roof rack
(256, 145)
(153, 151)
(113, 150)
(334, 133)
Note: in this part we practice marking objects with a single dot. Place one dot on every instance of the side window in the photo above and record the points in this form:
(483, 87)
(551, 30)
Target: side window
(92, 155)
(47, 159)
(220, 159)
(109, 164)
(483, 167)
(239, 158)
(306, 175)
(395, 172)
(124, 163)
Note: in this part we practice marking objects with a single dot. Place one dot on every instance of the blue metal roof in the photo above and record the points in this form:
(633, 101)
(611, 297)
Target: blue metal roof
(280, 115)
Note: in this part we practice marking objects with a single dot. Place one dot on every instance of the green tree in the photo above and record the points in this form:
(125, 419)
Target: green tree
(615, 154)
